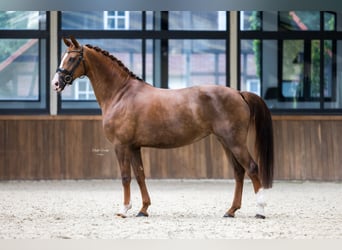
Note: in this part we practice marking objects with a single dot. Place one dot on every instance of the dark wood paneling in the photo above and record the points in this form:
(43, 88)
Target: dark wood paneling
(3, 149)
(308, 149)
(55, 149)
(74, 147)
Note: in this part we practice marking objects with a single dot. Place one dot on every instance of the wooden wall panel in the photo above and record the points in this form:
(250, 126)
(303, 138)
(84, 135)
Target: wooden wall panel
(3, 150)
(56, 149)
(308, 149)
(74, 147)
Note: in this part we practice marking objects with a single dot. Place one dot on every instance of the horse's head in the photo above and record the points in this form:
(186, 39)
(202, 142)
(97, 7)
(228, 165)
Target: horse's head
(71, 67)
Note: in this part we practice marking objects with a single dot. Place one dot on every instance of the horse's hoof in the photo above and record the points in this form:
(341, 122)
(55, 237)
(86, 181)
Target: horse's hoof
(141, 214)
(227, 215)
(259, 216)
(121, 215)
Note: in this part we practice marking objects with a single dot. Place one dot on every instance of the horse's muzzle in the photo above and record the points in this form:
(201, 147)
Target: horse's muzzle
(57, 83)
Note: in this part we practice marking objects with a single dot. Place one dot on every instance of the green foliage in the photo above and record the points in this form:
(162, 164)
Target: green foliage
(9, 46)
(10, 20)
(255, 25)
(4, 19)
(255, 20)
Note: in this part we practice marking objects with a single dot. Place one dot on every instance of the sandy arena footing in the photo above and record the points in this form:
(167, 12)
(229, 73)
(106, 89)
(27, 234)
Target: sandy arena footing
(181, 209)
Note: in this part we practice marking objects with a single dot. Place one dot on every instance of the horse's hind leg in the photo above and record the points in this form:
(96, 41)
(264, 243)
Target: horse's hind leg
(140, 176)
(239, 174)
(241, 159)
(244, 158)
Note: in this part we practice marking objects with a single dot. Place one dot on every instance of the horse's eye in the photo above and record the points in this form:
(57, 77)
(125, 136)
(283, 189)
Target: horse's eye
(72, 59)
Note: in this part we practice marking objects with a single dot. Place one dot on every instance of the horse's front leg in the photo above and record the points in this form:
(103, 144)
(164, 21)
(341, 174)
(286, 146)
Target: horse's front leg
(140, 176)
(123, 156)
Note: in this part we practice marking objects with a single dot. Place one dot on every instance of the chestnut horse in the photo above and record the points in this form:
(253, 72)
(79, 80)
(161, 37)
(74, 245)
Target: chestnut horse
(136, 114)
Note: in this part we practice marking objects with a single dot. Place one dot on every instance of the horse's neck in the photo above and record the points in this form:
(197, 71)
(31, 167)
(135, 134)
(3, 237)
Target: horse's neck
(106, 77)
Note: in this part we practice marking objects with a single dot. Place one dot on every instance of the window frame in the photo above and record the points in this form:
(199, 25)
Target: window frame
(280, 36)
(116, 17)
(42, 104)
(159, 33)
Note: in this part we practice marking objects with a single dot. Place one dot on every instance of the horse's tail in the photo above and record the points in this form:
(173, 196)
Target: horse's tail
(262, 120)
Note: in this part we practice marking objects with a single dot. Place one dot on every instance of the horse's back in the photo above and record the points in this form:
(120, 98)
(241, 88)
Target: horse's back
(203, 99)
(202, 94)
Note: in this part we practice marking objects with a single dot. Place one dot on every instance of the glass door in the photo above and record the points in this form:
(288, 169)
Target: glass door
(306, 72)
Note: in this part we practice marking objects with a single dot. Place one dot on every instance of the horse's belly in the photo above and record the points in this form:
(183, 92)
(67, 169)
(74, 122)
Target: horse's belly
(171, 138)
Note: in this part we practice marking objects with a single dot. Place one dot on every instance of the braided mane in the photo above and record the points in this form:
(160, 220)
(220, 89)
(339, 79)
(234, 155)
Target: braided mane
(114, 59)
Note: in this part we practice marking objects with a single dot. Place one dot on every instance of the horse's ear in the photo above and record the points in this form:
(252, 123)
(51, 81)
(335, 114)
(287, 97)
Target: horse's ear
(67, 42)
(74, 41)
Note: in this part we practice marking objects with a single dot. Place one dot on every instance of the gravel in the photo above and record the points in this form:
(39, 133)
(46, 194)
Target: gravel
(181, 209)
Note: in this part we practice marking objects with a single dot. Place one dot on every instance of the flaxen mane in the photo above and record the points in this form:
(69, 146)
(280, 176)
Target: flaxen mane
(114, 59)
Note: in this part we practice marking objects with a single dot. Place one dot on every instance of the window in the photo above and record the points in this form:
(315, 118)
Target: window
(299, 21)
(196, 62)
(195, 50)
(23, 61)
(199, 60)
(250, 20)
(83, 90)
(116, 20)
(197, 20)
(250, 66)
(101, 20)
(191, 50)
(253, 85)
(293, 57)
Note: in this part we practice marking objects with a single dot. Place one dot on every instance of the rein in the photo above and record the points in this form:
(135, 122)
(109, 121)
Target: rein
(68, 75)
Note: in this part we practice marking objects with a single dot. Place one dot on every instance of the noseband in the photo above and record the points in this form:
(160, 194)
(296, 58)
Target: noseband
(68, 76)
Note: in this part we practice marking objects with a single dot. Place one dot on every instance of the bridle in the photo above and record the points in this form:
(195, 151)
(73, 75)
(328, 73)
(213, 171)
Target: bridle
(68, 76)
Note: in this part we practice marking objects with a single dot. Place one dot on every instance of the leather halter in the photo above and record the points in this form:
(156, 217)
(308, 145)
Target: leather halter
(68, 76)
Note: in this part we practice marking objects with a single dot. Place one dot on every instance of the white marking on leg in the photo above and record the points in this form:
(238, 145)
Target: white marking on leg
(261, 202)
(124, 210)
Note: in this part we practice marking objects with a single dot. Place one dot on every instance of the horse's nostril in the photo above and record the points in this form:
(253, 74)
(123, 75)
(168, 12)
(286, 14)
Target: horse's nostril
(56, 84)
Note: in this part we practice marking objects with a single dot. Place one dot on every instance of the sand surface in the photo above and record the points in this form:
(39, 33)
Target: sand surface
(181, 209)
